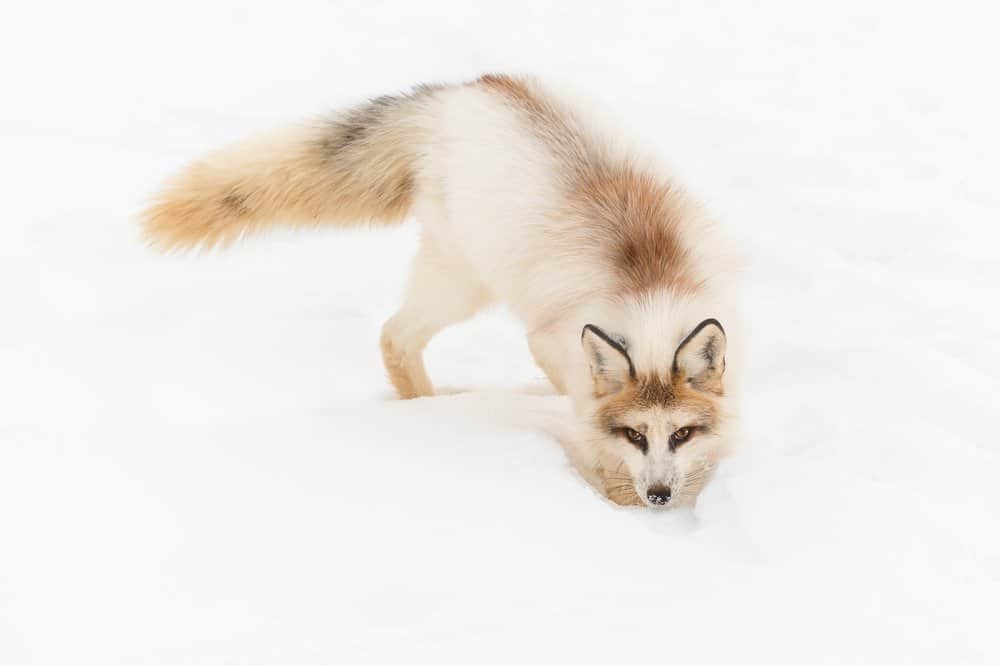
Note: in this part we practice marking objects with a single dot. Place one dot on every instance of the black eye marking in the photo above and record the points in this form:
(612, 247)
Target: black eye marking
(636, 438)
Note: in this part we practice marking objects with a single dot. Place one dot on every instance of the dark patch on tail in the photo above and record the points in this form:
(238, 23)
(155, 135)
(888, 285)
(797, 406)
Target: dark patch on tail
(349, 130)
(397, 192)
(355, 124)
(236, 203)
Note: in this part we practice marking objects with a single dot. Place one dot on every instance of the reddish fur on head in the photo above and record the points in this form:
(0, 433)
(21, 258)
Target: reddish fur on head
(653, 407)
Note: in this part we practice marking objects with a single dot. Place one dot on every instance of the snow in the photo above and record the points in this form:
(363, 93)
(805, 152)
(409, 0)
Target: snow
(202, 463)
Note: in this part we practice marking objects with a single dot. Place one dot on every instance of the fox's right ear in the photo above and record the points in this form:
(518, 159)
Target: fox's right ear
(610, 365)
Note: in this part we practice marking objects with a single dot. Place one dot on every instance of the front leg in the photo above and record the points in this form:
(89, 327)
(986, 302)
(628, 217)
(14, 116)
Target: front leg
(604, 473)
(549, 356)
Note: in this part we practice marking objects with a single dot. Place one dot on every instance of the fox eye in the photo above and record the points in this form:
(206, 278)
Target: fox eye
(636, 438)
(680, 436)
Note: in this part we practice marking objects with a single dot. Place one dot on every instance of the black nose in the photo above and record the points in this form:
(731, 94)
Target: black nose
(658, 495)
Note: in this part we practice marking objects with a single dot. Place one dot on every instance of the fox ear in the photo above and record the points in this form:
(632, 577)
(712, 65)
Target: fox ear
(610, 365)
(700, 359)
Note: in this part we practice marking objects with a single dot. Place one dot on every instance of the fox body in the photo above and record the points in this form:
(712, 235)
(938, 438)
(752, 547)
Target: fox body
(525, 198)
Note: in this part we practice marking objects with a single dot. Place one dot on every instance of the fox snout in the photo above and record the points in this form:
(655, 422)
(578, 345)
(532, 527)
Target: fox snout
(658, 494)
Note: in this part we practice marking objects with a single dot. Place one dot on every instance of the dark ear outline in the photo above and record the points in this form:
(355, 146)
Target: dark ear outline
(691, 336)
(611, 343)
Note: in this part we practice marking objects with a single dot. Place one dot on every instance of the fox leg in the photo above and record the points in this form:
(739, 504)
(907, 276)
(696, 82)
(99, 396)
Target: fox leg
(442, 290)
(548, 354)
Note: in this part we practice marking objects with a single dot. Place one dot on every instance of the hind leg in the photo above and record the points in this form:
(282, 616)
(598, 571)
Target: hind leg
(443, 290)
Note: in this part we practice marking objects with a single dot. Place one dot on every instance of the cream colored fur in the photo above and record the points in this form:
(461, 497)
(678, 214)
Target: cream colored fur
(486, 168)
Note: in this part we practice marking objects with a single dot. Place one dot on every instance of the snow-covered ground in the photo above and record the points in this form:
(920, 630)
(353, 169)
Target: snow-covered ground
(202, 463)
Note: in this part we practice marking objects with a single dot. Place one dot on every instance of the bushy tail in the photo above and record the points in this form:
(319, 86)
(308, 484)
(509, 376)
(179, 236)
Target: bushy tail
(356, 167)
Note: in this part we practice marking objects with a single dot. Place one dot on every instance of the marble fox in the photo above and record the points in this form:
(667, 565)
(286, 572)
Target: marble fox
(528, 198)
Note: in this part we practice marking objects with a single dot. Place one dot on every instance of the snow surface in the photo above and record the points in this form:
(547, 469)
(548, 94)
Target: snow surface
(202, 463)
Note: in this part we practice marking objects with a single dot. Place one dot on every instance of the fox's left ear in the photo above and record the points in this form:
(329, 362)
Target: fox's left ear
(701, 357)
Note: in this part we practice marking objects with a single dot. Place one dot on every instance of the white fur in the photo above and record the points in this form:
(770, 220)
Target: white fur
(488, 188)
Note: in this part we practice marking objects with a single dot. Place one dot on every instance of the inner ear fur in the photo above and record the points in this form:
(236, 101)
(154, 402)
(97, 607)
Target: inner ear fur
(700, 359)
(610, 365)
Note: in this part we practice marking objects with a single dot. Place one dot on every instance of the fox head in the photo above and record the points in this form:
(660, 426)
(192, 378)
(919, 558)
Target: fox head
(664, 427)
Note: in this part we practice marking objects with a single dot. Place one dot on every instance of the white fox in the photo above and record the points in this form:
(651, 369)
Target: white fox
(620, 280)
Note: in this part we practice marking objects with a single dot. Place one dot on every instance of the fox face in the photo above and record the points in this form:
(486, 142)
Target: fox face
(664, 428)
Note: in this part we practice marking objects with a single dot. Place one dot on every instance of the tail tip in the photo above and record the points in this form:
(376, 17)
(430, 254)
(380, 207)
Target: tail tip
(172, 223)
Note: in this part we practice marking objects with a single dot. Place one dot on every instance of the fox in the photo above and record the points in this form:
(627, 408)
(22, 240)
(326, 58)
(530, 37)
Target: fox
(527, 198)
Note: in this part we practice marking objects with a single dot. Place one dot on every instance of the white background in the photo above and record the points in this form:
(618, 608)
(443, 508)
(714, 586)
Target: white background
(202, 463)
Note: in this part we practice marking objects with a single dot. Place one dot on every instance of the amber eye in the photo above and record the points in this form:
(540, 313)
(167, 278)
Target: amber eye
(636, 438)
(680, 436)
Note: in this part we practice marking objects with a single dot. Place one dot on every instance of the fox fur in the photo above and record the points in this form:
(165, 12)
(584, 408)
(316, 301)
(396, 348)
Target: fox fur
(625, 287)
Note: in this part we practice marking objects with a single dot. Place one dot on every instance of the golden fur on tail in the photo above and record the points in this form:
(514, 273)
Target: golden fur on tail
(355, 167)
